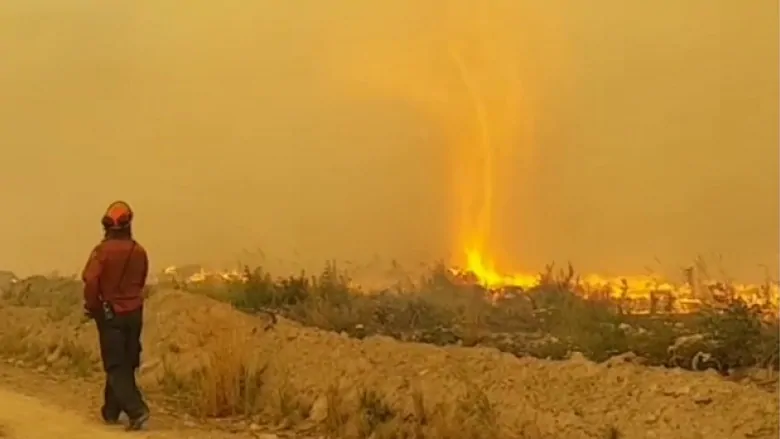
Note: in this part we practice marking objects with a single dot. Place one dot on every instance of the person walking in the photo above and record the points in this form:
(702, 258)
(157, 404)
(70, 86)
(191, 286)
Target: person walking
(114, 278)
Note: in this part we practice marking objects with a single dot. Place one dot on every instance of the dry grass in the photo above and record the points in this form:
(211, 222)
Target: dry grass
(364, 413)
(552, 321)
(231, 381)
(228, 383)
(233, 385)
(60, 353)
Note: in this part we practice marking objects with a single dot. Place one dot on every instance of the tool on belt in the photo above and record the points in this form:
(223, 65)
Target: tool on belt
(108, 309)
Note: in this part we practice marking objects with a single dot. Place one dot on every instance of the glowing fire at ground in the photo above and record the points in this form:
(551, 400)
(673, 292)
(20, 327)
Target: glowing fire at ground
(489, 278)
(478, 104)
(641, 290)
(494, 123)
(637, 292)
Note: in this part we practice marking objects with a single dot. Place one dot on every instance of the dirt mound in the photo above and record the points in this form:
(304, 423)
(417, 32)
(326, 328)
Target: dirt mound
(561, 399)
(545, 399)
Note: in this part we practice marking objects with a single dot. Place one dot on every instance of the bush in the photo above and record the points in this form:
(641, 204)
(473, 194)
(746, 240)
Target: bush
(551, 320)
(740, 336)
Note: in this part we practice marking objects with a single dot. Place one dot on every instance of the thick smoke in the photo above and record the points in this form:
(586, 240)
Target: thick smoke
(637, 131)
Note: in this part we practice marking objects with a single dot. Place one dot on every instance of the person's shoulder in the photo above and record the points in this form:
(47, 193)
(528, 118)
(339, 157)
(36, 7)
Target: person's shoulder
(139, 248)
(118, 246)
(99, 252)
(99, 249)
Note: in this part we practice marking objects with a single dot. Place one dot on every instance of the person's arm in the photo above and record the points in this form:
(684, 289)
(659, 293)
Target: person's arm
(145, 268)
(91, 278)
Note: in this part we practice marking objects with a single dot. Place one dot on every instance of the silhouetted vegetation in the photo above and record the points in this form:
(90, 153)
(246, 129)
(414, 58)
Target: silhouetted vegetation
(551, 321)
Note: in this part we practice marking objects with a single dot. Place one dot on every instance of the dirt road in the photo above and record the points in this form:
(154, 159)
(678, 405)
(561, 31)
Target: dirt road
(23, 416)
(37, 406)
(28, 417)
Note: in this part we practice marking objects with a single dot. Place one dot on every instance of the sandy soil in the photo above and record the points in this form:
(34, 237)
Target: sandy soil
(574, 399)
(545, 399)
(30, 418)
(33, 406)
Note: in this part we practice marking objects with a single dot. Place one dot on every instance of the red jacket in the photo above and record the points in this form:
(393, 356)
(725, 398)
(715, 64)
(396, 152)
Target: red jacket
(104, 280)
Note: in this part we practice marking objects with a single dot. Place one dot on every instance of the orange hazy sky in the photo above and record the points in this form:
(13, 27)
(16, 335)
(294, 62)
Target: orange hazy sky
(314, 130)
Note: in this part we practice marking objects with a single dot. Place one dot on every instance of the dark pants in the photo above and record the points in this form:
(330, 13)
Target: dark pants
(120, 350)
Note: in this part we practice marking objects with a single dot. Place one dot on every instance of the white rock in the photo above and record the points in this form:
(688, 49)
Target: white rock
(53, 357)
(319, 410)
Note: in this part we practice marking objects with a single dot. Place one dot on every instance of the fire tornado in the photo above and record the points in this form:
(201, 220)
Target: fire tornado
(463, 73)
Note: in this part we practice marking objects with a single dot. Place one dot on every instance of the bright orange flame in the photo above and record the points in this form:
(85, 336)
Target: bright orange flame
(491, 89)
(490, 278)
(477, 101)
(462, 73)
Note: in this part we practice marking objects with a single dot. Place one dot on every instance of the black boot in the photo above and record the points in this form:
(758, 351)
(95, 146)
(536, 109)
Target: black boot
(138, 422)
(109, 416)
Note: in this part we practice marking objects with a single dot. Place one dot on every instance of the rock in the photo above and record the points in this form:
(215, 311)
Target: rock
(254, 427)
(360, 331)
(319, 410)
(685, 340)
(7, 280)
(267, 436)
(53, 357)
(677, 391)
(623, 359)
(704, 360)
(147, 366)
(40, 369)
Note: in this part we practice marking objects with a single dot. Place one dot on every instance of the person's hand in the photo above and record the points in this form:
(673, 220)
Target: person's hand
(86, 316)
(88, 313)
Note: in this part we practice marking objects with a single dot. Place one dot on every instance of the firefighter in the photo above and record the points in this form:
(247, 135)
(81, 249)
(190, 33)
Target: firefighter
(114, 278)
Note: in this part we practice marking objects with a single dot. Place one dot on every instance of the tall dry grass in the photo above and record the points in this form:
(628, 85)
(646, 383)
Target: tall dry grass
(549, 322)
(232, 384)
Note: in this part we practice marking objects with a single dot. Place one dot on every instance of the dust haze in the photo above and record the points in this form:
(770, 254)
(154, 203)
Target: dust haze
(644, 131)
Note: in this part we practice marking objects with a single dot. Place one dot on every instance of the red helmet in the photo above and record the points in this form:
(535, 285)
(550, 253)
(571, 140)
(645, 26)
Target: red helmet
(118, 216)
